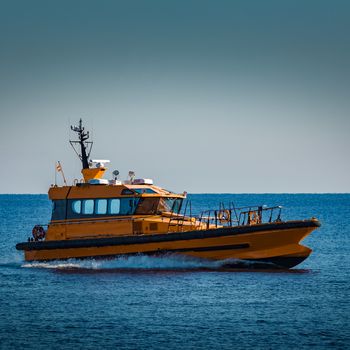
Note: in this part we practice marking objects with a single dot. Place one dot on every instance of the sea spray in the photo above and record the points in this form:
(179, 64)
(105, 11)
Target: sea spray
(138, 262)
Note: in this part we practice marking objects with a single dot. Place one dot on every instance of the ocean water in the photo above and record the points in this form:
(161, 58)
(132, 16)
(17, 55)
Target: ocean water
(175, 303)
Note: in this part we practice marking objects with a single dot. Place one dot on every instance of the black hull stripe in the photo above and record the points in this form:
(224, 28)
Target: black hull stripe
(166, 237)
(277, 262)
(283, 261)
(201, 249)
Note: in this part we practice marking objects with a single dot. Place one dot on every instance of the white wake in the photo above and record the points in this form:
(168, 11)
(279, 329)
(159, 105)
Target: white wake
(139, 262)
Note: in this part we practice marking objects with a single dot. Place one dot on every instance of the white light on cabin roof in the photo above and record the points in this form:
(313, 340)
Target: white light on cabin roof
(100, 161)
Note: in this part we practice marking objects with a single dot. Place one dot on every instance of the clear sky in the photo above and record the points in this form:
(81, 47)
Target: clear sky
(205, 96)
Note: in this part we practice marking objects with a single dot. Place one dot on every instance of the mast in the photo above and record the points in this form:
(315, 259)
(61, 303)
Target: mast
(85, 146)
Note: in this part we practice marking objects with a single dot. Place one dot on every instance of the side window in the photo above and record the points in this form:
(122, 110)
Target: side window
(59, 209)
(147, 206)
(177, 206)
(126, 191)
(76, 207)
(88, 206)
(100, 206)
(114, 206)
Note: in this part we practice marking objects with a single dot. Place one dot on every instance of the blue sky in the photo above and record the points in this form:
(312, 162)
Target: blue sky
(203, 96)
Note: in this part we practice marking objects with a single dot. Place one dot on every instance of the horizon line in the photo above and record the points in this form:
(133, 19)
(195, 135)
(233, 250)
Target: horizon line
(202, 193)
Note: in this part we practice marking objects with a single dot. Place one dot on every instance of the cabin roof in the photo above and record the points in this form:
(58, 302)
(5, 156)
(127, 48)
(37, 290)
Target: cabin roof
(108, 191)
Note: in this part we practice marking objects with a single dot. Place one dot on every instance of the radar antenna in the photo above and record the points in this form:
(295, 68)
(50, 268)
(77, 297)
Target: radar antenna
(85, 146)
(115, 173)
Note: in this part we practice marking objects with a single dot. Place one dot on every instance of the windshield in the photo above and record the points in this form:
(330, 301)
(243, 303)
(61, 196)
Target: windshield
(147, 206)
(153, 205)
(170, 205)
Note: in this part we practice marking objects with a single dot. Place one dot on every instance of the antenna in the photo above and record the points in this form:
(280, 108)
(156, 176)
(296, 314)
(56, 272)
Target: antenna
(85, 146)
(131, 176)
(115, 174)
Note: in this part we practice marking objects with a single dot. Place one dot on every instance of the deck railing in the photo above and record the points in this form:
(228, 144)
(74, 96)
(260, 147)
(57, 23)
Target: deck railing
(224, 216)
(234, 216)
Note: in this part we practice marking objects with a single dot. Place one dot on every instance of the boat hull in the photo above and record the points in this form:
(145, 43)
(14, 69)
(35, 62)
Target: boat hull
(270, 243)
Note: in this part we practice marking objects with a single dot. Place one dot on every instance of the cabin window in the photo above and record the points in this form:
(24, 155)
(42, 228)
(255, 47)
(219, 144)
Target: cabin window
(177, 205)
(166, 204)
(127, 192)
(153, 205)
(88, 206)
(144, 190)
(128, 206)
(170, 205)
(147, 206)
(59, 209)
(101, 206)
(76, 207)
(114, 206)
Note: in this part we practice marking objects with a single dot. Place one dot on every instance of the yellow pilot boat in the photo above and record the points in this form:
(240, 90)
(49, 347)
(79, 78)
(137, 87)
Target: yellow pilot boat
(100, 218)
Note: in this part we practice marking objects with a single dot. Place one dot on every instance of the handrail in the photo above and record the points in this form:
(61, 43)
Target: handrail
(182, 218)
(248, 215)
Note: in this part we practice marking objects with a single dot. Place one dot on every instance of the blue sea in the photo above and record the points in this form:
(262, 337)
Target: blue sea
(175, 303)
